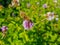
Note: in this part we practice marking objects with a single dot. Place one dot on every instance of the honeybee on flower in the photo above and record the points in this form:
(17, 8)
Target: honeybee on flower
(27, 23)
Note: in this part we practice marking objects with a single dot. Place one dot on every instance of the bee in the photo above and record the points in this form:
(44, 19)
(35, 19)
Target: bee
(27, 22)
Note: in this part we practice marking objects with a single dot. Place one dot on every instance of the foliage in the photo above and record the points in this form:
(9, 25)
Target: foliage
(43, 32)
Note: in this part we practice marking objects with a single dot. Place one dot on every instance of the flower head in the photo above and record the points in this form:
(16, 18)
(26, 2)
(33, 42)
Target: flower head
(50, 16)
(44, 5)
(4, 28)
(27, 24)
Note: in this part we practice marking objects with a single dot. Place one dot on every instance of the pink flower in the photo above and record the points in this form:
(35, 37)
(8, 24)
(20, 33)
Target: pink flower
(27, 24)
(50, 16)
(4, 28)
(44, 5)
